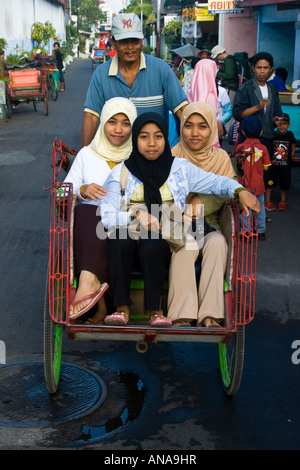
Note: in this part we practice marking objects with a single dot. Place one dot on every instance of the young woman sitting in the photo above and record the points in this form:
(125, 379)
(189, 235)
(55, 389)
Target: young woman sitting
(92, 165)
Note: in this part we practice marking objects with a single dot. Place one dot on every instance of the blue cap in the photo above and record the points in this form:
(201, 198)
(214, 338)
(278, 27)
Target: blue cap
(251, 125)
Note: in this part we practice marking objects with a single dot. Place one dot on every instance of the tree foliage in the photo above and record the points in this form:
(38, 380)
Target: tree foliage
(88, 13)
(138, 6)
(42, 33)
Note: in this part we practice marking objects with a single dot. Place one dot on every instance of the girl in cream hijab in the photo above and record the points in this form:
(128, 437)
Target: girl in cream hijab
(198, 132)
(111, 145)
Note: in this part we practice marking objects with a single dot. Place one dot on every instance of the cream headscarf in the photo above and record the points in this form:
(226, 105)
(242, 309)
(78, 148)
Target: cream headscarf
(208, 158)
(100, 145)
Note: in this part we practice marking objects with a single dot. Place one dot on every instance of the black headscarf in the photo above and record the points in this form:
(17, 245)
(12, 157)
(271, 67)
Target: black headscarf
(153, 174)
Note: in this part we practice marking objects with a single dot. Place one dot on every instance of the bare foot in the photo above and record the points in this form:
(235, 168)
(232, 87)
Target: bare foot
(88, 284)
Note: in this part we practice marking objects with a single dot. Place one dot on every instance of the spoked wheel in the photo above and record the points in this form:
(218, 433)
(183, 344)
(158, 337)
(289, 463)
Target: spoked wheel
(53, 338)
(231, 358)
(51, 88)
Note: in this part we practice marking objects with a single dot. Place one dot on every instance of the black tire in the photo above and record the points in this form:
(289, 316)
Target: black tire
(231, 358)
(8, 106)
(53, 337)
(51, 88)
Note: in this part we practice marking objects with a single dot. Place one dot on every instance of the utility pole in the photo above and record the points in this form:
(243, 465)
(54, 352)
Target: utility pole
(158, 29)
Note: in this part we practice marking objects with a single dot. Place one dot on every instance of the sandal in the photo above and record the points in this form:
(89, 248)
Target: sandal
(157, 319)
(117, 319)
(94, 299)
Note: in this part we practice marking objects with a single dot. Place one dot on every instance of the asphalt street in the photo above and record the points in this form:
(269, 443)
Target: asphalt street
(183, 407)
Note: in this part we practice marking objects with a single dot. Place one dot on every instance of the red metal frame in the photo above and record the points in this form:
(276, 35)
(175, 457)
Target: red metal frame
(239, 299)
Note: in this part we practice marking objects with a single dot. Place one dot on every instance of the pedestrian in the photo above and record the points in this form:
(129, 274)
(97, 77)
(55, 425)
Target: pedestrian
(228, 75)
(204, 54)
(257, 97)
(204, 87)
(92, 165)
(284, 145)
(255, 160)
(147, 81)
(187, 78)
(2, 64)
(279, 79)
(224, 112)
(57, 55)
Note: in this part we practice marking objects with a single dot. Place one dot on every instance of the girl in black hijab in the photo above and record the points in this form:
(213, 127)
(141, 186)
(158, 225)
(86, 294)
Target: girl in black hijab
(153, 253)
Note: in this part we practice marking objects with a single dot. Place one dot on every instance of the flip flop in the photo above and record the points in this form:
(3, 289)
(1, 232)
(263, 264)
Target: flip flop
(157, 319)
(94, 299)
(117, 319)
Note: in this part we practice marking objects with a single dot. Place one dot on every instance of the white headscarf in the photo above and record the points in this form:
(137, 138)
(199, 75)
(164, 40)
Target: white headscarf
(100, 145)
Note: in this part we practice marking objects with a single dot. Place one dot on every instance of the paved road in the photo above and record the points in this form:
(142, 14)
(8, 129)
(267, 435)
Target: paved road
(183, 407)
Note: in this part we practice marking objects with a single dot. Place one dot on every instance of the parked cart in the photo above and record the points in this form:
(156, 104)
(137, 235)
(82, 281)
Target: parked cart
(27, 84)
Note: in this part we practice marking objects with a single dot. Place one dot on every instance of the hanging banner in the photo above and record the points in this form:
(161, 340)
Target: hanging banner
(202, 14)
(224, 7)
(189, 23)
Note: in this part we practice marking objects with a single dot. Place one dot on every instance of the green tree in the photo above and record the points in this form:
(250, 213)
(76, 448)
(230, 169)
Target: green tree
(88, 13)
(138, 6)
(42, 33)
(172, 32)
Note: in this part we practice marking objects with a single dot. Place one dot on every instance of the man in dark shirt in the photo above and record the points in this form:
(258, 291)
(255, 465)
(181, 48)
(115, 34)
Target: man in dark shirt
(57, 55)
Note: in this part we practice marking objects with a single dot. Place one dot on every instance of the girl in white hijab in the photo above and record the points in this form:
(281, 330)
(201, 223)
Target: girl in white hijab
(111, 145)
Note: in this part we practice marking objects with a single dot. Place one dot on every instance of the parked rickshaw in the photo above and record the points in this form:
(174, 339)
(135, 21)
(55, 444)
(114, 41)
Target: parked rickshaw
(98, 56)
(239, 291)
(27, 84)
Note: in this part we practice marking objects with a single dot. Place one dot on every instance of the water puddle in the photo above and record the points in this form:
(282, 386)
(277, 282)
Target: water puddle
(135, 401)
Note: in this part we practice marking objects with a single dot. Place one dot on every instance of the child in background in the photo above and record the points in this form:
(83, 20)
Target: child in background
(255, 160)
(284, 145)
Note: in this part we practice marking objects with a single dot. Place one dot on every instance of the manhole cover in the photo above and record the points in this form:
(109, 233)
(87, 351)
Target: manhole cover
(25, 401)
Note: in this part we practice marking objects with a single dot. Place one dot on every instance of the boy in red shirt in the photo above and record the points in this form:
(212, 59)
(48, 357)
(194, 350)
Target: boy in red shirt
(255, 160)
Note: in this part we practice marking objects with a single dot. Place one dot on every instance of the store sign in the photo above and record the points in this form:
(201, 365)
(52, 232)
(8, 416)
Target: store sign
(202, 14)
(189, 23)
(224, 7)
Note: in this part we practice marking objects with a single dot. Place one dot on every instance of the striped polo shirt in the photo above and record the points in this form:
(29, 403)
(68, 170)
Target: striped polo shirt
(155, 87)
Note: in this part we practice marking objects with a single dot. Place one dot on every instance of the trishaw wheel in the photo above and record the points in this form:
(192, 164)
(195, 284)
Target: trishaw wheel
(8, 106)
(51, 88)
(231, 358)
(53, 338)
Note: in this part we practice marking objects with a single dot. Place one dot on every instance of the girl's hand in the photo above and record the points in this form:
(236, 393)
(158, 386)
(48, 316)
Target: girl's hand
(148, 221)
(248, 201)
(93, 191)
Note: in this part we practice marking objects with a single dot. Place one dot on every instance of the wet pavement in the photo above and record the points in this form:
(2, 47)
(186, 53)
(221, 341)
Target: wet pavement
(169, 398)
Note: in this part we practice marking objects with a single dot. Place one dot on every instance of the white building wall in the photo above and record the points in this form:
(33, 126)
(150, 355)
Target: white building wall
(17, 17)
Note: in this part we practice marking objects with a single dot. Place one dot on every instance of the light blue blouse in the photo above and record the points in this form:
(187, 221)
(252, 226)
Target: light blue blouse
(183, 179)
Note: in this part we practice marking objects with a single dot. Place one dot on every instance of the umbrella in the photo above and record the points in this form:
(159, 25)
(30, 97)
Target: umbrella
(186, 51)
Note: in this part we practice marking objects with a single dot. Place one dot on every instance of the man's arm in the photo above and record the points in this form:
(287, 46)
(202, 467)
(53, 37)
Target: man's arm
(180, 111)
(88, 129)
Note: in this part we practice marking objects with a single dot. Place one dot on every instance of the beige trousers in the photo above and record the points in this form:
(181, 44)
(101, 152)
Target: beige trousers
(183, 299)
